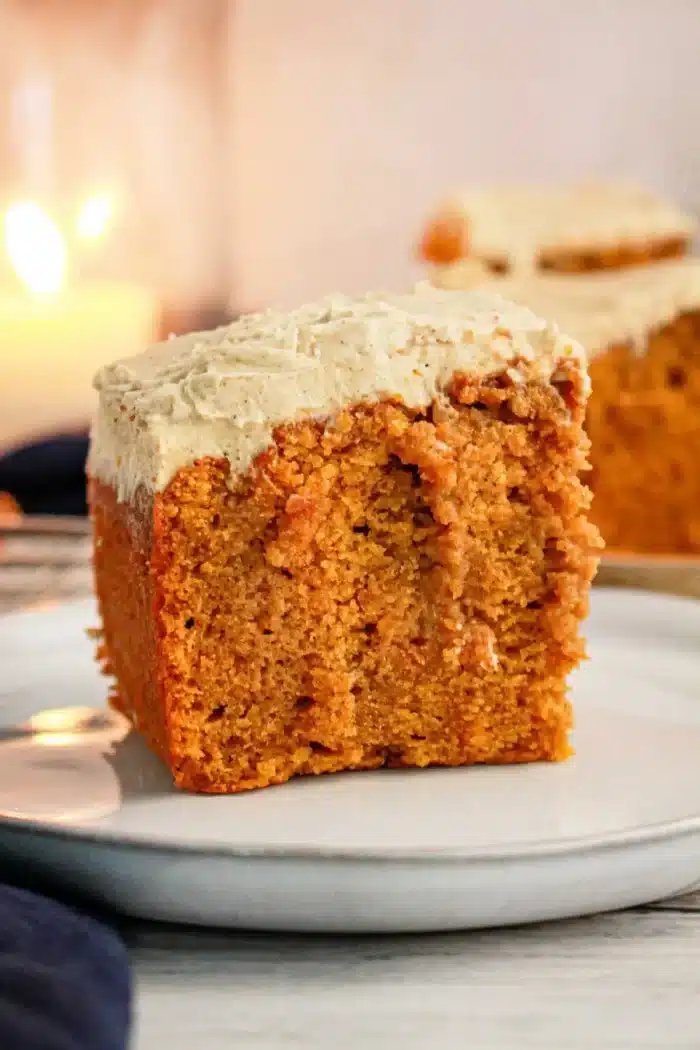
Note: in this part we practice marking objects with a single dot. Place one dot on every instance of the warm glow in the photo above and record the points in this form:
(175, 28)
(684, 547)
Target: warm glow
(65, 726)
(93, 217)
(61, 719)
(58, 739)
(35, 247)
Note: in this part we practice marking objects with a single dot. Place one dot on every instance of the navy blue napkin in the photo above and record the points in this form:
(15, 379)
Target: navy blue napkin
(64, 978)
(47, 477)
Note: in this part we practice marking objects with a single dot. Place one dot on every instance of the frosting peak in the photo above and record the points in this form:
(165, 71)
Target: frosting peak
(222, 393)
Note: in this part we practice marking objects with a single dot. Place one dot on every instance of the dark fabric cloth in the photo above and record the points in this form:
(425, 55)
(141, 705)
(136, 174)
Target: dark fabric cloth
(64, 978)
(47, 477)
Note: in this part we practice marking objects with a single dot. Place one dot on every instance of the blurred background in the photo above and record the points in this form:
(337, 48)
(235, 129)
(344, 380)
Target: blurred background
(167, 164)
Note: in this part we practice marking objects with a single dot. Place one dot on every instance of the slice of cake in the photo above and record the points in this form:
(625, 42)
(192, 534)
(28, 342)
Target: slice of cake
(641, 328)
(574, 229)
(345, 537)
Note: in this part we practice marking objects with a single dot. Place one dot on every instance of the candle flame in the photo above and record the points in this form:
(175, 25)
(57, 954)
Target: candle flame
(93, 217)
(35, 247)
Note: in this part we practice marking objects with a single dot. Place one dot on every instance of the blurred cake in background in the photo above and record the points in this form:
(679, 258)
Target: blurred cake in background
(641, 329)
(576, 229)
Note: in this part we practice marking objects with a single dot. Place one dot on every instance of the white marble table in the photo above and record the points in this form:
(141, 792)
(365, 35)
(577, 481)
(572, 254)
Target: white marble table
(629, 981)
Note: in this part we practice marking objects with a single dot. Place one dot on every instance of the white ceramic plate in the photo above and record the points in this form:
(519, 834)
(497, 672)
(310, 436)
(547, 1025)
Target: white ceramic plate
(436, 849)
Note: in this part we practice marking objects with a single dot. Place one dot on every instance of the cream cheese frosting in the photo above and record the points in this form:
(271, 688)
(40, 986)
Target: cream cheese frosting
(598, 309)
(222, 393)
(517, 224)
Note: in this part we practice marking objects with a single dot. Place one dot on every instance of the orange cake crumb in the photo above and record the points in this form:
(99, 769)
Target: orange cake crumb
(9, 507)
(643, 423)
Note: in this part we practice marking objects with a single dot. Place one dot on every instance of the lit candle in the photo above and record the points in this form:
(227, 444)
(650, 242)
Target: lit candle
(54, 335)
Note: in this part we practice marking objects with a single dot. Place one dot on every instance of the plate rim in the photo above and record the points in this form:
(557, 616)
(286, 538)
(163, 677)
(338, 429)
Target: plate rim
(626, 558)
(646, 835)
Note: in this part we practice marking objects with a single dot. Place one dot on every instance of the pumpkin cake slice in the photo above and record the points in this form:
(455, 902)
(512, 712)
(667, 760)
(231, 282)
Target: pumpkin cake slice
(345, 537)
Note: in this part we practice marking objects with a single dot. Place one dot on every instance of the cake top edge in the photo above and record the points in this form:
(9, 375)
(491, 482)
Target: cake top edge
(599, 309)
(475, 330)
(515, 223)
(222, 393)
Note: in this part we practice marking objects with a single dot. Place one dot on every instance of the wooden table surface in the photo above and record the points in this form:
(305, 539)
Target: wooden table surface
(627, 981)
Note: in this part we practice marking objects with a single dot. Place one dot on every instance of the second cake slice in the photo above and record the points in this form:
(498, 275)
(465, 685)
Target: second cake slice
(566, 229)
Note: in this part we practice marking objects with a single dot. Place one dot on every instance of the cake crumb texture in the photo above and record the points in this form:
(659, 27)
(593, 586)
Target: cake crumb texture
(394, 587)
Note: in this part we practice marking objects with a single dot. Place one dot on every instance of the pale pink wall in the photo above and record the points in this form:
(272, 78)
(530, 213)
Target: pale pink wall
(351, 116)
(125, 97)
